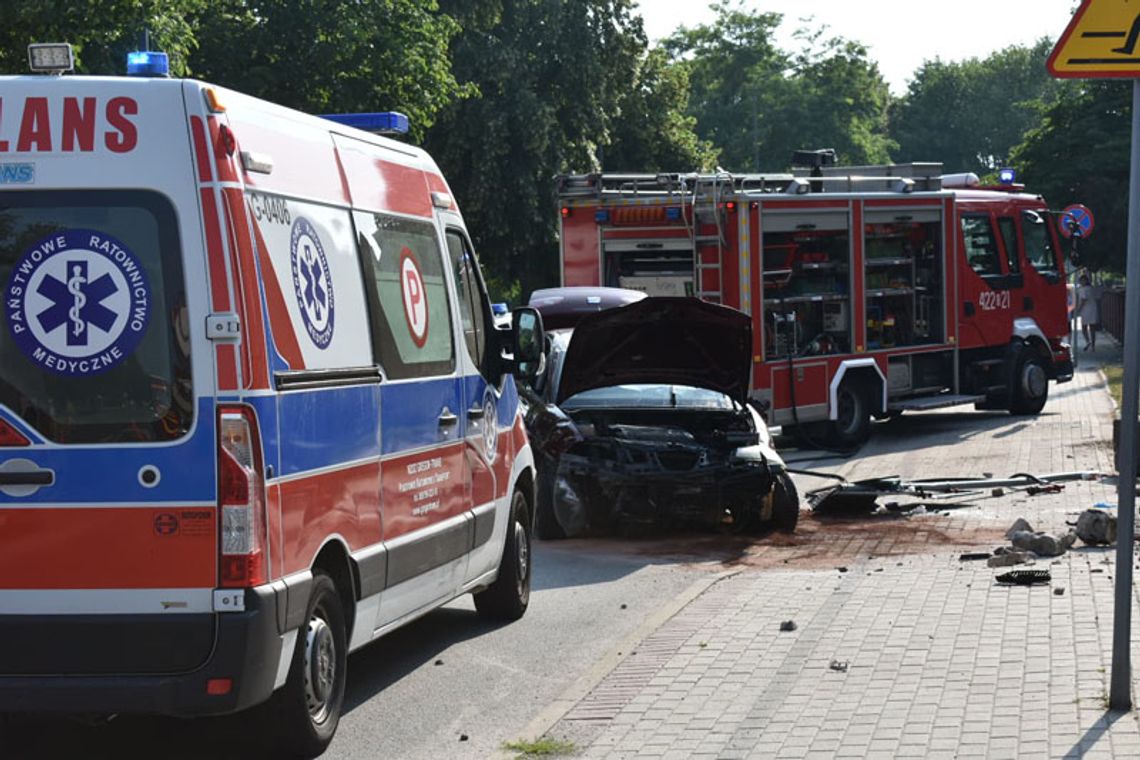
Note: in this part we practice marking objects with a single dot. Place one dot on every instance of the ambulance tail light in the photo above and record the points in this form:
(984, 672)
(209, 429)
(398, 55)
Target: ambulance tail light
(241, 499)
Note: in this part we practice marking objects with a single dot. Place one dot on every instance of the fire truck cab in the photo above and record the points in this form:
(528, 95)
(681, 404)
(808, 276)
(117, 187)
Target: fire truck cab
(872, 290)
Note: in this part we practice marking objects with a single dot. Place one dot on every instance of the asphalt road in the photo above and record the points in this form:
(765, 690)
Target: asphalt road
(448, 685)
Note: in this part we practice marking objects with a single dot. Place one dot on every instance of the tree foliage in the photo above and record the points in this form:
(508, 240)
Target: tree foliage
(324, 56)
(1080, 154)
(551, 78)
(970, 114)
(101, 32)
(757, 103)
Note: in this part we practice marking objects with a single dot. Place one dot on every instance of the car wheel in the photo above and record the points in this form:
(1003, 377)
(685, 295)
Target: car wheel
(785, 503)
(306, 711)
(507, 598)
(852, 425)
(1030, 385)
(546, 525)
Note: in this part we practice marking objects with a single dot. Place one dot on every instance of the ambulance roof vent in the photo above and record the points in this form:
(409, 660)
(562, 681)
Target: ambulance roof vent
(383, 123)
(51, 57)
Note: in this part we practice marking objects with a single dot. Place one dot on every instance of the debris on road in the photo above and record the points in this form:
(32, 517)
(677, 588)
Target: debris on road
(1043, 544)
(970, 556)
(1008, 558)
(860, 496)
(1024, 577)
(1096, 528)
(788, 625)
(839, 667)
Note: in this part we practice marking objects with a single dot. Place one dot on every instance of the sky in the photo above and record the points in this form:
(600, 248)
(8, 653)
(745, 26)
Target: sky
(900, 34)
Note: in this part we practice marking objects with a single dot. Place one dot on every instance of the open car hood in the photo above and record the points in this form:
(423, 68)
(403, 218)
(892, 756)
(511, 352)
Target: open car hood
(678, 341)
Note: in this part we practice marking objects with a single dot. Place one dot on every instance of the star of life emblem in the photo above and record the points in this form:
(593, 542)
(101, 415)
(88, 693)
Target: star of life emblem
(490, 426)
(77, 302)
(312, 282)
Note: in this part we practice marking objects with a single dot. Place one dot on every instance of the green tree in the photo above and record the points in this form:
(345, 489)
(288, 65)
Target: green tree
(970, 114)
(1080, 154)
(551, 77)
(652, 131)
(324, 56)
(101, 32)
(757, 103)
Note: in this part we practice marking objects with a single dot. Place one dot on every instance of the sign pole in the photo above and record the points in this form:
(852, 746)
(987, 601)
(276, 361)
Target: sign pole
(1120, 696)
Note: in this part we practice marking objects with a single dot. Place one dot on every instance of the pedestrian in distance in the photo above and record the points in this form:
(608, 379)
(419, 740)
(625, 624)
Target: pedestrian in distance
(1088, 309)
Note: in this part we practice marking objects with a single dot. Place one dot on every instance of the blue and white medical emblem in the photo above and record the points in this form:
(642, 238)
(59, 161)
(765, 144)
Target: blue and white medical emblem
(490, 425)
(78, 302)
(312, 282)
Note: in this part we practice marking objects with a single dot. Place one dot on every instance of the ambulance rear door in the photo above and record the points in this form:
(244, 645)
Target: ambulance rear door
(108, 544)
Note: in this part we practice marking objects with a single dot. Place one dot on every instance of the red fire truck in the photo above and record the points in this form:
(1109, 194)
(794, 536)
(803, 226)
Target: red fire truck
(872, 289)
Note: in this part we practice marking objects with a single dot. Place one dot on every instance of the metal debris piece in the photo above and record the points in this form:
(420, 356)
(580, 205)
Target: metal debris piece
(1024, 577)
(840, 667)
(969, 556)
(788, 625)
(861, 495)
(1007, 558)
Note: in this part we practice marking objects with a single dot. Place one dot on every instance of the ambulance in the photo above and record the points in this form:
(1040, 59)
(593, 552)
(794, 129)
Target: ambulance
(255, 411)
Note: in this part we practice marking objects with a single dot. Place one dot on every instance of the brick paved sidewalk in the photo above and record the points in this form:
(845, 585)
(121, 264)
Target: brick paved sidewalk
(916, 656)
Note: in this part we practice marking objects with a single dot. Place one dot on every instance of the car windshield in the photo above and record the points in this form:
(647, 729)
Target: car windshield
(649, 396)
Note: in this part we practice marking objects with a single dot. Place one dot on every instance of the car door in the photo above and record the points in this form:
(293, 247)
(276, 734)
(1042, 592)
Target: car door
(988, 287)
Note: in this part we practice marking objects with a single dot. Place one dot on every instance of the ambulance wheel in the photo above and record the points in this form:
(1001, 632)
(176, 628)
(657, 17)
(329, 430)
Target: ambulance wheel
(546, 525)
(785, 503)
(852, 425)
(1030, 385)
(507, 598)
(307, 709)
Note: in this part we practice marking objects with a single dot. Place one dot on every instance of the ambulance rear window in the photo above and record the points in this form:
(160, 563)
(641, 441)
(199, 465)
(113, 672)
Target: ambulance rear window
(95, 342)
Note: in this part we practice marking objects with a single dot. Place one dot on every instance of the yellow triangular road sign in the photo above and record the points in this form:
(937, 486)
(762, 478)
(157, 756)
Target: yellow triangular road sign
(1102, 40)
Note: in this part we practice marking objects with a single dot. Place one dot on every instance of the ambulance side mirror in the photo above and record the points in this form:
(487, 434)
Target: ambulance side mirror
(527, 341)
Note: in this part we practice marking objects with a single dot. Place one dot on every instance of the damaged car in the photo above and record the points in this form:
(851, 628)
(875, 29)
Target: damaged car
(641, 418)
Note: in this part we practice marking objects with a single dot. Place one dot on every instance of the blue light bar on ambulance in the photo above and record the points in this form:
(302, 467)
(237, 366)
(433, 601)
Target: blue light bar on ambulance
(147, 63)
(1007, 176)
(385, 123)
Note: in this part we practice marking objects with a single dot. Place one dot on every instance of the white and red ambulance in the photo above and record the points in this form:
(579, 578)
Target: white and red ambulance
(254, 408)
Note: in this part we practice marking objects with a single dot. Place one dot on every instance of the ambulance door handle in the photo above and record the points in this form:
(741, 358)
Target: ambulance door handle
(29, 478)
(475, 413)
(447, 418)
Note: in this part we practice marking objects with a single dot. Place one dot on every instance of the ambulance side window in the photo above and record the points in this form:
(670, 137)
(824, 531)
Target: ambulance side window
(981, 246)
(475, 313)
(407, 295)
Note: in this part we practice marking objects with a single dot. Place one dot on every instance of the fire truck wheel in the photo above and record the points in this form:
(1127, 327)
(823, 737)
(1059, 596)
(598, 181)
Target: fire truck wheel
(1030, 385)
(307, 709)
(785, 504)
(546, 525)
(852, 425)
(507, 598)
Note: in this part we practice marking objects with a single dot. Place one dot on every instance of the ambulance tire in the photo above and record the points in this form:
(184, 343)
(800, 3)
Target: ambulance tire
(785, 503)
(852, 427)
(546, 525)
(507, 598)
(1030, 385)
(305, 712)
